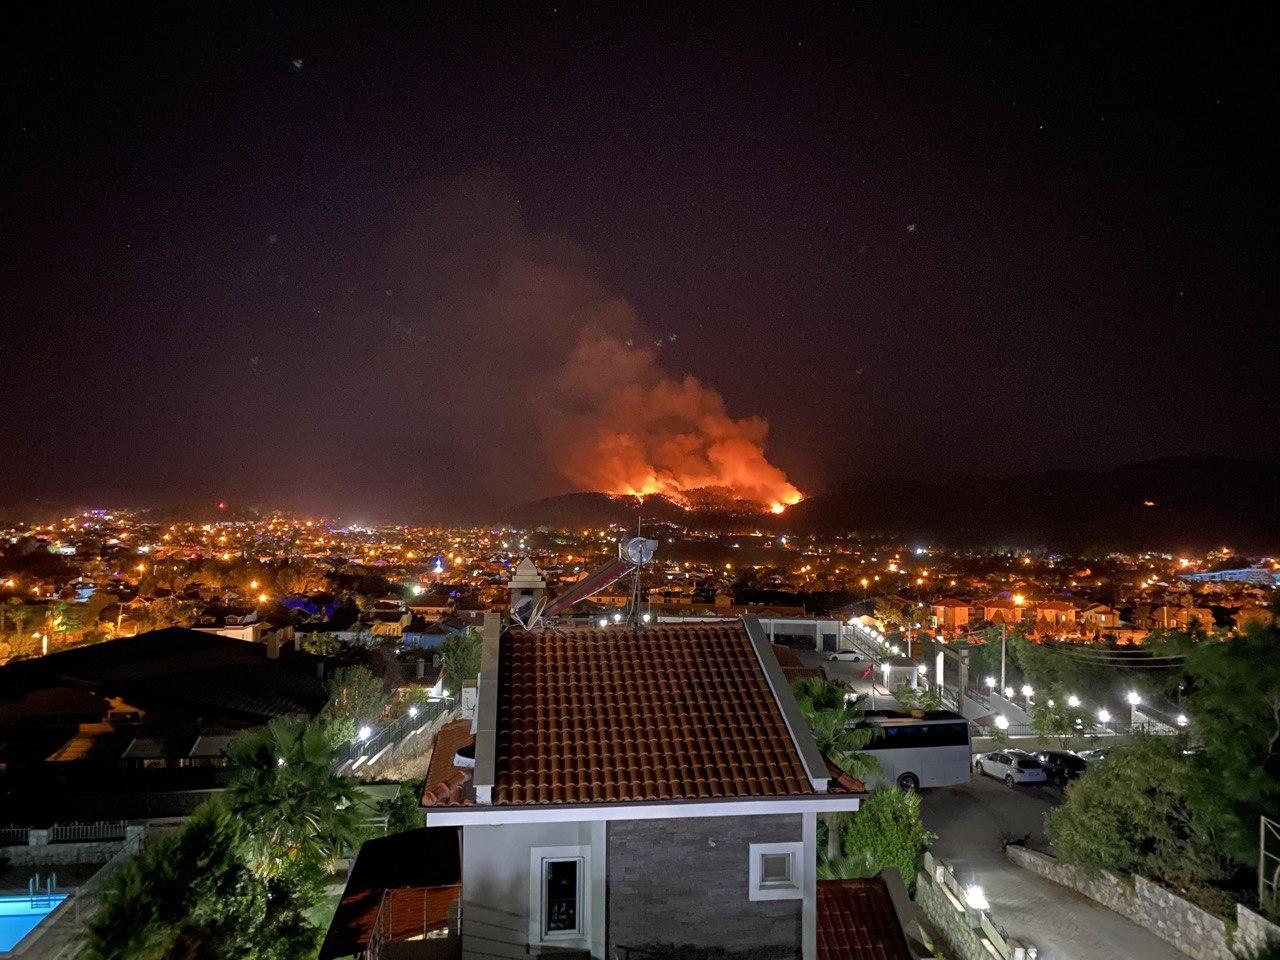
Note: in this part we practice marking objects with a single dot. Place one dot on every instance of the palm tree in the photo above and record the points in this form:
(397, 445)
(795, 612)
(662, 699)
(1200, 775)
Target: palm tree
(295, 809)
(839, 726)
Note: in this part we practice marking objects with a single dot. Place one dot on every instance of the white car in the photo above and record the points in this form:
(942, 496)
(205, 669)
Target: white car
(1011, 766)
(845, 655)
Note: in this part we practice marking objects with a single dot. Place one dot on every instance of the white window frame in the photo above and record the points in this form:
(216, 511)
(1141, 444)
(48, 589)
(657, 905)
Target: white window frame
(538, 857)
(793, 889)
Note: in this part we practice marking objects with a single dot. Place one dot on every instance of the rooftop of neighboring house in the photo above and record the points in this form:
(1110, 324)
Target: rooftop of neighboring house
(859, 920)
(671, 712)
(419, 872)
(185, 670)
(951, 602)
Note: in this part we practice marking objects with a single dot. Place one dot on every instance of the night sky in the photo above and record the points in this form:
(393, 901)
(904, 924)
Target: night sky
(337, 258)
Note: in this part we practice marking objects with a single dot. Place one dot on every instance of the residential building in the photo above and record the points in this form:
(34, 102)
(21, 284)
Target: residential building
(626, 788)
(951, 614)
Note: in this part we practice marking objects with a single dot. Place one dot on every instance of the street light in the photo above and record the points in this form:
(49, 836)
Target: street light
(1104, 715)
(1133, 698)
(922, 668)
(604, 622)
(1182, 719)
(991, 683)
(364, 733)
(1073, 701)
(1027, 691)
(975, 897)
(1008, 691)
(413, 711)
(1002, 722)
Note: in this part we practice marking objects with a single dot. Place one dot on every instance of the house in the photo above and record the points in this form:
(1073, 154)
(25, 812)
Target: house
(1260, 616)
(625, 789)
(951, 614)
(1179, 618)
(1053, 614)
(1099, 616)
(136, 726)
(1000, 611)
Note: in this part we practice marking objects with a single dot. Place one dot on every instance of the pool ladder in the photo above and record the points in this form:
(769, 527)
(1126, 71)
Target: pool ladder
(42, 894)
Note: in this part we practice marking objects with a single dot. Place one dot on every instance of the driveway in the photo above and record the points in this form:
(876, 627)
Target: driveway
(972, 822)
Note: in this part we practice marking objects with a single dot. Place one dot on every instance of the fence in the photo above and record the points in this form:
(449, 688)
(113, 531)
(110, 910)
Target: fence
(371, 749)
(82, 832)
(14, 836)
(962, 917)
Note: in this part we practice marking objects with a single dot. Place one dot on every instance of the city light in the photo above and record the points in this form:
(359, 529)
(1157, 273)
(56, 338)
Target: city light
(1019, 599)
(991, 683)
(364, 733)
(1002, 722)
(1104, 715)
(417, 589)
(1133, 698)
(413, 711)
(1026, 690)
(922, 668)
(1008, 691)
(645, 618)
(1073, 700)
(1182, 720)
(604, 622)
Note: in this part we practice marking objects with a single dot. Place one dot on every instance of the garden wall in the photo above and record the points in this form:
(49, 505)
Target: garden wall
(1194, 931)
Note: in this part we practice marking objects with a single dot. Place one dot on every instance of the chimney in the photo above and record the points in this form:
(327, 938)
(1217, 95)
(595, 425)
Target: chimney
(297, 643)
(422, 670)
(273, 645)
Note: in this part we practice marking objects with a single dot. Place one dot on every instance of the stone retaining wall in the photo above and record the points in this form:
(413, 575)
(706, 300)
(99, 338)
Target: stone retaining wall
(1194, 931)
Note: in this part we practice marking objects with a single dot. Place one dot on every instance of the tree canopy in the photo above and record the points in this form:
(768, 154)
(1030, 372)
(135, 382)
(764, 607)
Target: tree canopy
(838, 725)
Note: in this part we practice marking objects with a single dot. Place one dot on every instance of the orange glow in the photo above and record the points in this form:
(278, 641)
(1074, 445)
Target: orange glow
(1019, 599)
(777, 507)
(636, 430)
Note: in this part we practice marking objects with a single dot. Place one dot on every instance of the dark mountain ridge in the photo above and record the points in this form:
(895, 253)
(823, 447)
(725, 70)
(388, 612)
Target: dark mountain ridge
(1173, 504)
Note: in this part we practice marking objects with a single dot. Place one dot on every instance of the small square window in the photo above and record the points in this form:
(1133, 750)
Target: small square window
(775, 871)
(775, 868)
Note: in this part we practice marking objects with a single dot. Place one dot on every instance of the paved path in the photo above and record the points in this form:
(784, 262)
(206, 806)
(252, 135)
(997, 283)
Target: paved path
(972, 821)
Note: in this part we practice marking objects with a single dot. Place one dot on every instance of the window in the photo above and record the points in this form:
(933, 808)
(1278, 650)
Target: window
(774, 871)
(559, 894)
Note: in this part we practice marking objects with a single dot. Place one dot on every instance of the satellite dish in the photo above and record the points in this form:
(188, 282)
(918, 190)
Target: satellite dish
(639, 551)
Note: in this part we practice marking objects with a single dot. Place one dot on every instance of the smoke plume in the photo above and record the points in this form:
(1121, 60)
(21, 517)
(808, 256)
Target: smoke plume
(594, 400)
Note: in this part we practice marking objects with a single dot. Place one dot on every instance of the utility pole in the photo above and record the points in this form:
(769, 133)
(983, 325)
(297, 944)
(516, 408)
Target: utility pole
(1004, 633)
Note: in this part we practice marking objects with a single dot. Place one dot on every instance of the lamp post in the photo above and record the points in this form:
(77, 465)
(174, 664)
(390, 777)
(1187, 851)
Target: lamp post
(1134, 699)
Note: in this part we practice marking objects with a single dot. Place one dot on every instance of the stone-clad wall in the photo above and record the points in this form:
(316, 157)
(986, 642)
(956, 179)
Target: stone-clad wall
(1196, 932)
(955, 926)
(685, 882)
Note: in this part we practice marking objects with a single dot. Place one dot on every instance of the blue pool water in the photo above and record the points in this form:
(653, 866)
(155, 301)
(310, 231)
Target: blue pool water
(19, 916)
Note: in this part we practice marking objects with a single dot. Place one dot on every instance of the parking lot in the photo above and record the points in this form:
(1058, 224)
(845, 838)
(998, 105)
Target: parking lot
(974, 821)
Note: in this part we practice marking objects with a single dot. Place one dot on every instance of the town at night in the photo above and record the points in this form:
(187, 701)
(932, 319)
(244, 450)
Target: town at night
(670, 483)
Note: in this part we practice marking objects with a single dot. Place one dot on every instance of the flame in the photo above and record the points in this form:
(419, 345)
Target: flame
(623, 425)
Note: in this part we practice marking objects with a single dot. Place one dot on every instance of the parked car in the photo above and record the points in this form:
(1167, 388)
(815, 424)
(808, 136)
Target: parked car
(846, 655)
(1011, 766)
(1061, 766)
(1093, 756)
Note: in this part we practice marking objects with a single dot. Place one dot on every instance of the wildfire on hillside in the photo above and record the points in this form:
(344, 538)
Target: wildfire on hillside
(625, 426)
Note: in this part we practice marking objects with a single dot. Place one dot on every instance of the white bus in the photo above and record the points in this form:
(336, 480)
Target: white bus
(928, 751)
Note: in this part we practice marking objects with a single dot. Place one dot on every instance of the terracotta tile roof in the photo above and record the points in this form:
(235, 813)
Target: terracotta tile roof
(673, 712)
(444, 782)
(419, 875)
(792, 668)
(842, 782)
(857, 921)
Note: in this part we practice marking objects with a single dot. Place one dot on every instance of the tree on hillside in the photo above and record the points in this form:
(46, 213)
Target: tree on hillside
(295, 809)
(461, 655)
(1234, 707)
(1131, 813)
(1053, 717)
(356, 697)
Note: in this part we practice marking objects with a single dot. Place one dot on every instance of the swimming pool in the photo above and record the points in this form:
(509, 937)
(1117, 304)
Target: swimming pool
(19, 916)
